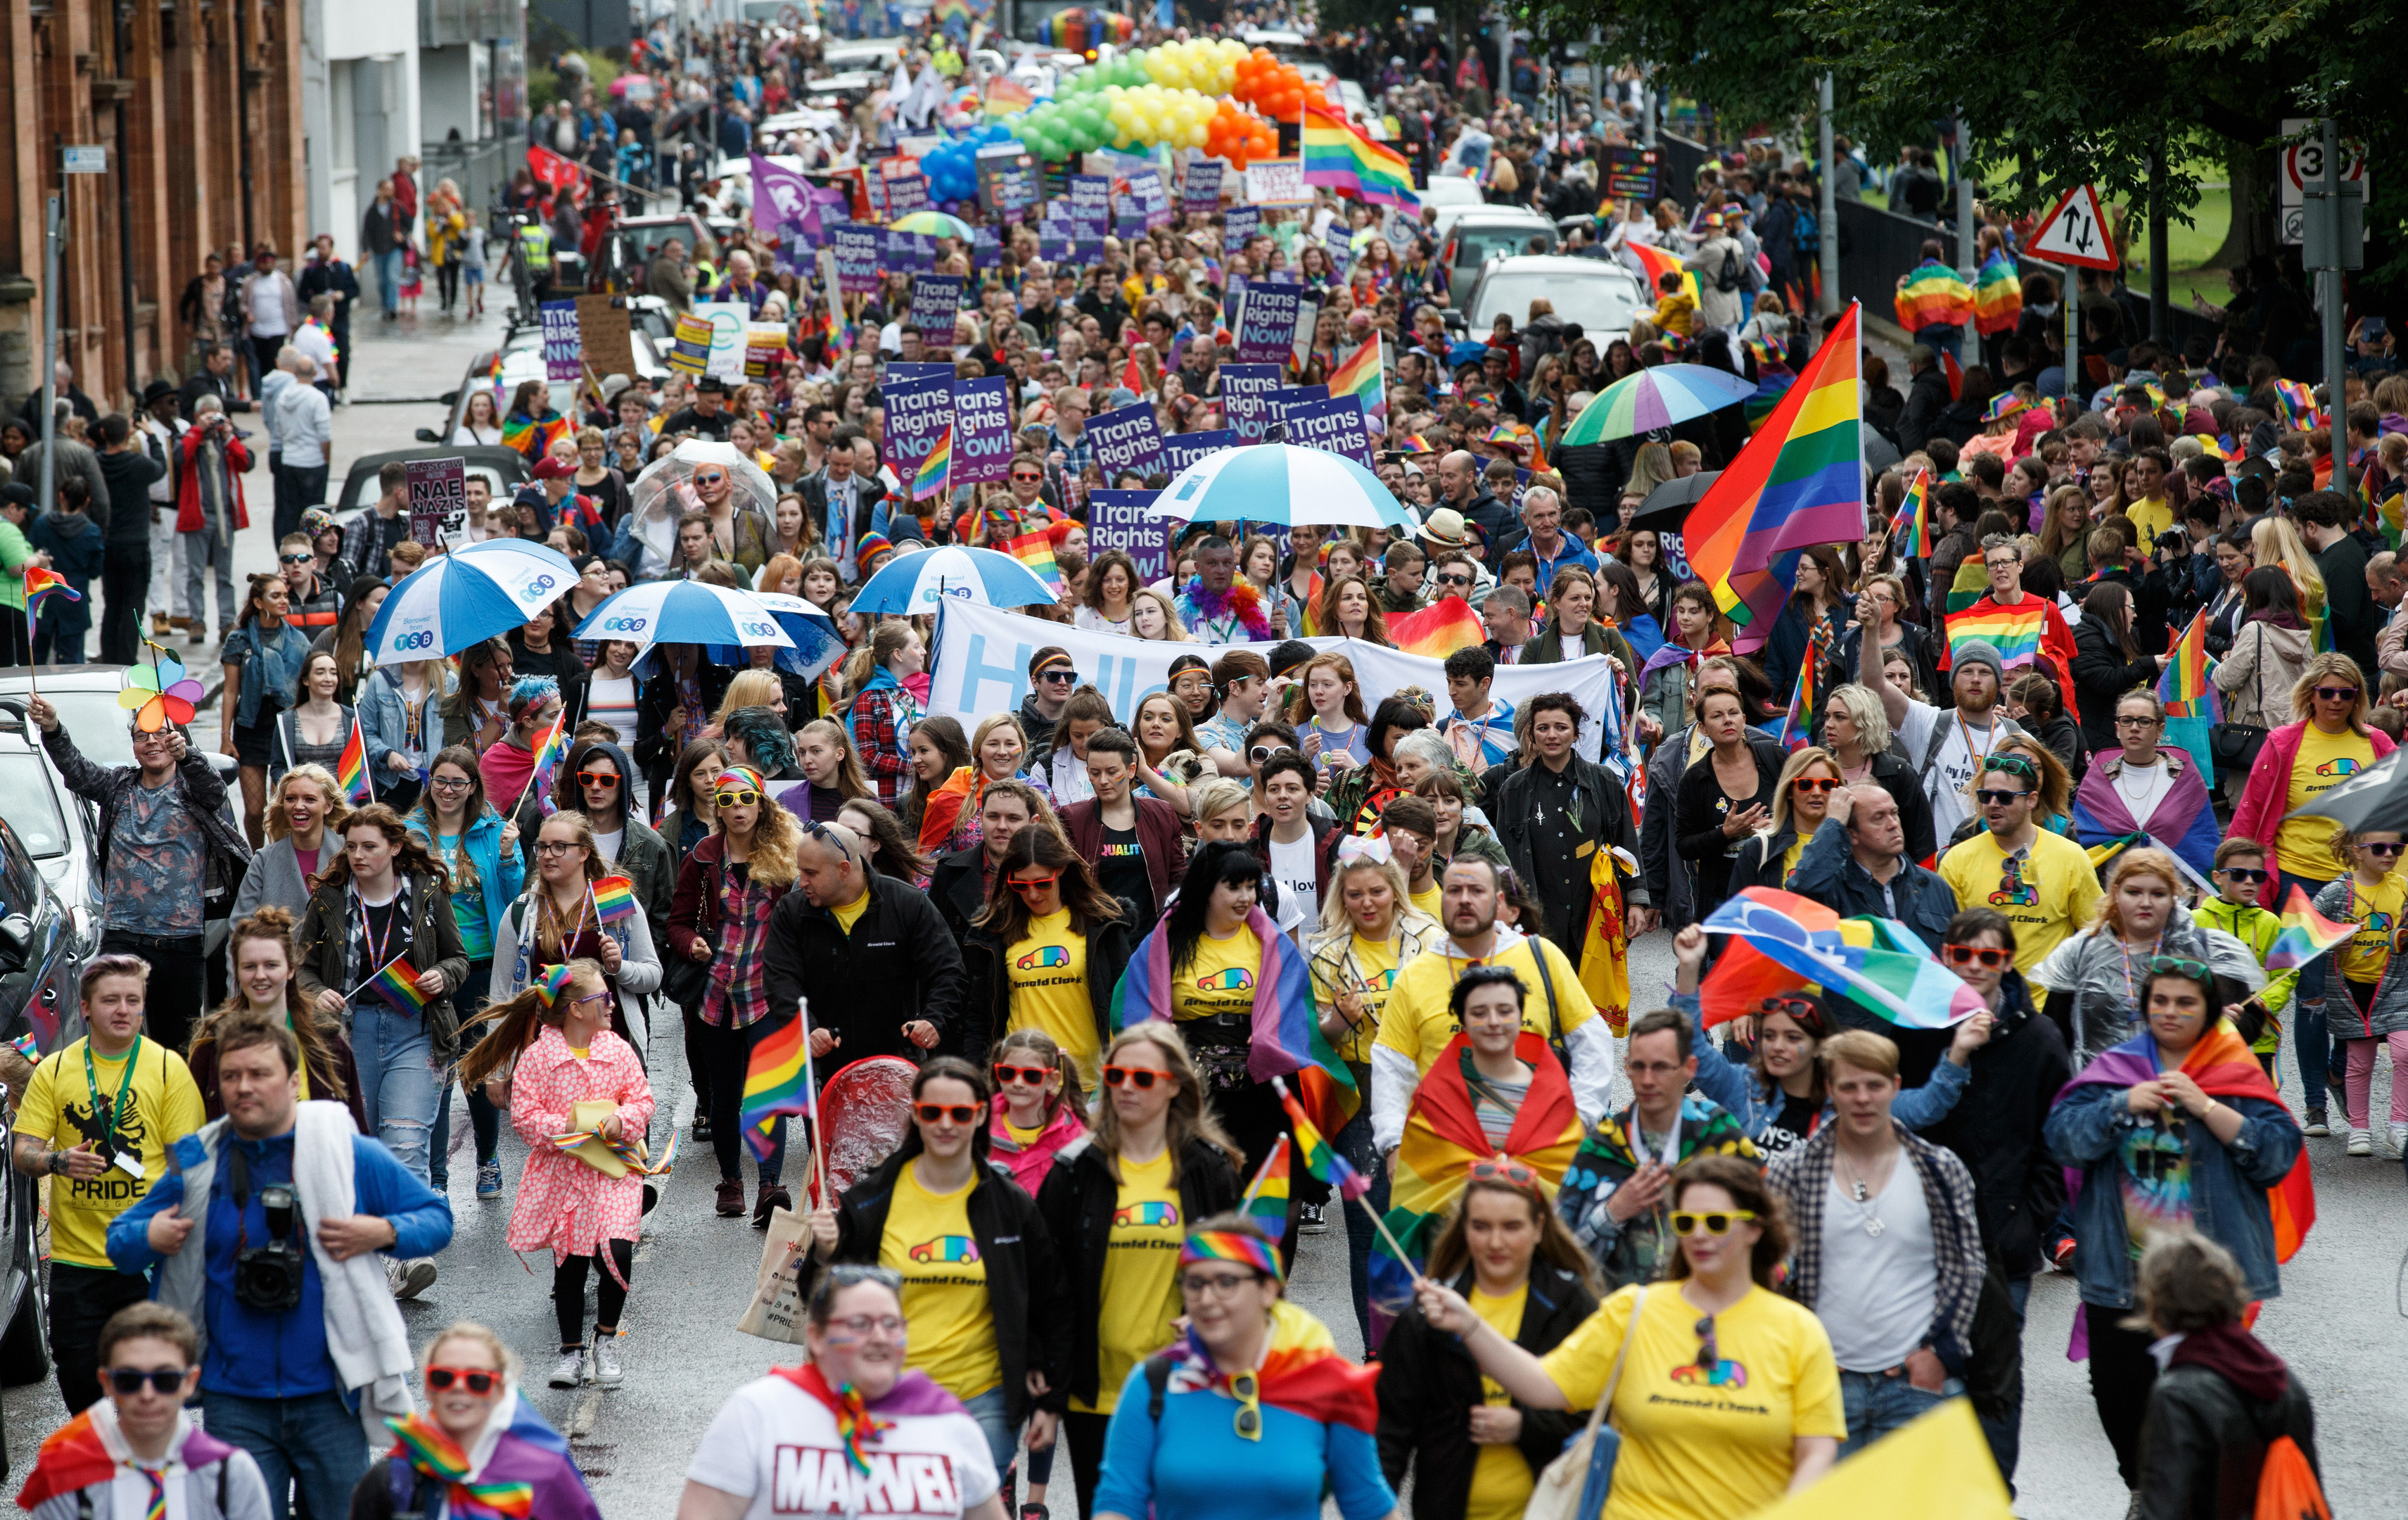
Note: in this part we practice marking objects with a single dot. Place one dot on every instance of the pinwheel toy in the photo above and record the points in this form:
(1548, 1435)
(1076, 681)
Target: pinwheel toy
(159, 694)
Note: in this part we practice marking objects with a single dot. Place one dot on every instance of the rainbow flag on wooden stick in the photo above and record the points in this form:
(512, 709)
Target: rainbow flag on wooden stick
(2185, 684)
(1363, 376)
(929, 479)
(42, 585)
(2307, 934)
(352, 769)
(2015, 632)
(1338, 155)
(397, 986)
(778, 1082)
(1266, 1200)
(1910, 531)
(614, 898)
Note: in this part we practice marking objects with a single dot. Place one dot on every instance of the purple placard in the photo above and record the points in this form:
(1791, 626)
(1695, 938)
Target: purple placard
(1181, 449)
(1288, 396)
(1267, 323)
(936, 301)
(1129, 224)
(1341, 253)
(1151, 196)
(898, 370)
(1117, 520)
(906, 192)
(1202, 190)
(563, 354)
(982, 430)
(1246, 392)
(986, 250)
(1061, 251)
(917, 414)
(856, 258)
(910, 252)
(1238, 223)
(1128, 438)
(1336, 425)
(1091, 205)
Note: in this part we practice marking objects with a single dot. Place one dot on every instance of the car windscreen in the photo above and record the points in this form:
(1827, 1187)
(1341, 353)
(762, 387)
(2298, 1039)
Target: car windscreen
(1476, 245)
(31, 806)
(1600, 305)
(97, 723)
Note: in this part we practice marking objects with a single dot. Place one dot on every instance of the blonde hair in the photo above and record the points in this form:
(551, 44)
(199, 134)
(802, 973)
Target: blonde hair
(337, 807)
(850, 782)
(2326, 666)
(1175, 631)
(749, 688)
(2275, 542)
(775, 836)
(2131, 863)
(463, 1329)
(987, 725)
(1190, 1116)
(1797, 765)
(1864, 710)
(1219, 795)
(1335, 927)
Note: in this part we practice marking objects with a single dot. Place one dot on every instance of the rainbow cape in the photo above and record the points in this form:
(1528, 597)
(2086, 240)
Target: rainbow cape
(1910, 531)
(1301, 1374)
(1338, 155)
(2222, 1067)
(1799, 480)
(531, 437)
(778, 1082)
(1266, 1200)
(1997, 295)
(397, 985)
(428, 1449)
(352, 769)
(1934, 296)
(1321, 1158)
(2185, 682)
(2016, 631)
(1287, 1038)
(2307, 934)
(1362, 377)
(75, 1457)
(1437, 630)
(614, 898)
(1443, 1138)
(929, 480)
(42, 585)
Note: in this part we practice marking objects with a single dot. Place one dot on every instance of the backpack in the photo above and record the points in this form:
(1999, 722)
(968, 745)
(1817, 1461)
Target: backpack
(1806, 234)
(1728, 280)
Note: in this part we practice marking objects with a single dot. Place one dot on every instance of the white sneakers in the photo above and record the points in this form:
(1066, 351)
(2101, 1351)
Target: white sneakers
(571, 1370)
(2361, 1142)
(408, 1279)
(2400, 1139)
(605, 1361)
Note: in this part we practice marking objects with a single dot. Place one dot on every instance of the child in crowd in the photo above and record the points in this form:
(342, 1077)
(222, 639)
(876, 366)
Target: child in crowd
(2239, 871)
(1036, 1109)
(2370, 895)
(472, 264)
(1676, 309)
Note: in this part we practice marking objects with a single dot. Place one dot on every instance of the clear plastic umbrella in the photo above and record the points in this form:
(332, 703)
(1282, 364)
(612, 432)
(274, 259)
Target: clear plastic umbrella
(664, 490)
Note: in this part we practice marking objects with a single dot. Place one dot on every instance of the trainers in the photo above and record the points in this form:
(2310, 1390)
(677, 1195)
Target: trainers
(489, 1178)
(606, 1360)
(2060, 1253)
(2316, 1124)
(571, 1370)
(2400, 1139)
(731, 1198)
(2361, 1142)
(1035, 1512)
(701, 1131)
(408, 1279)
(1312, 1222)
(773, 1196)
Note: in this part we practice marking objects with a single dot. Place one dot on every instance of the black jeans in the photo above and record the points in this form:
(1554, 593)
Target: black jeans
(124, 582)
(179, 983)
(2122, 1373)
(697, 1068)
(725, 1050)
(609, 1296)
(16, 644)
(82, 1301)
(485, 1119)
(1086, 1435)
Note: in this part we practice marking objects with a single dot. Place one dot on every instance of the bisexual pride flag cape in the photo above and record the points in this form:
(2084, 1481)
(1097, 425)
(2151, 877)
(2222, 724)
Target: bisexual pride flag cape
(2184, 823)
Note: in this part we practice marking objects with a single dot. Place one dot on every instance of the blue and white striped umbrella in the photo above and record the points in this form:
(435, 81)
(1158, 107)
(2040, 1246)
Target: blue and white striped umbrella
(913, 583)
(473, 593)
(684, 612)
(1278, 483)
(817, 644)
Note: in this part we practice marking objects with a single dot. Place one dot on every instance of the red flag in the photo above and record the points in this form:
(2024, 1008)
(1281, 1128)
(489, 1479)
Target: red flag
(550, 168)
(1133, 378)
(1955, 375)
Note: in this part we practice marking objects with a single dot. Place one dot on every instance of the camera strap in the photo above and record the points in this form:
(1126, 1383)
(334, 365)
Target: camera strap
(238, 1175)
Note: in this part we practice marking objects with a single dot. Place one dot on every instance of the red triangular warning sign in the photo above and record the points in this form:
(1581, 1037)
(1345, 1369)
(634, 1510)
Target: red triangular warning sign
(2074, 231)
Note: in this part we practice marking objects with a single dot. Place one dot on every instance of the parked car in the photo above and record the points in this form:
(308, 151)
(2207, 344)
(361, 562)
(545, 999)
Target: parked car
(1601, 297)
(1482, 233)
(521, 358)
(503, 470)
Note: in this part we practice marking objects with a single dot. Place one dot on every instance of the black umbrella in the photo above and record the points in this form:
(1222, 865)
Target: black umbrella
(2376, 799)
(1667, 506)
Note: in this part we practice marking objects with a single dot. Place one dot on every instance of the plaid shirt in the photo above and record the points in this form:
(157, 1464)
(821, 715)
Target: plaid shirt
(1802, 1174)
(1077, 456)
(882, 724)
(737, 997)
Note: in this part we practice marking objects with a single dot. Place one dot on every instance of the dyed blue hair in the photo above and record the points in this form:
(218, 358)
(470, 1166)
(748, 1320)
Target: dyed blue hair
(532, 692)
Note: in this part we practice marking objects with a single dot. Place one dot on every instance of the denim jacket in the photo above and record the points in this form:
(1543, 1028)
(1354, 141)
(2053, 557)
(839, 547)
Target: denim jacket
(501, 875)
(271, 663)
(1753, 1104)
(384, 722)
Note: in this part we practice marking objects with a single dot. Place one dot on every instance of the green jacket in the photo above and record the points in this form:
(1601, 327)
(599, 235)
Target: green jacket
(15, 553)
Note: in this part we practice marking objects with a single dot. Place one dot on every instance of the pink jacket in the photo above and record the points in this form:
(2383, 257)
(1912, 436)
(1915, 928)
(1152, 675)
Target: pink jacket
(1029, 1166)
(562, 1202)
(2267, 796)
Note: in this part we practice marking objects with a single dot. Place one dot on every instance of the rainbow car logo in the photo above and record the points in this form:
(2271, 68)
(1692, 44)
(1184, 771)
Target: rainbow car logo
(1724, 1375)
(1045, 956)
(1235, 979)
(2340, 765)
(946, 1248)
(1148, 1214)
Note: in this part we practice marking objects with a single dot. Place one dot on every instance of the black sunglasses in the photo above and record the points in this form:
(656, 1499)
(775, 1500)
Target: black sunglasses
(128, 1381)
(2004, 799)
(2242, 873)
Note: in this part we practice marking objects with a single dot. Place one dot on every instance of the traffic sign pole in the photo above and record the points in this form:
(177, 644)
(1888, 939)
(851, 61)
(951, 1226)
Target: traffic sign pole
(2335, 405)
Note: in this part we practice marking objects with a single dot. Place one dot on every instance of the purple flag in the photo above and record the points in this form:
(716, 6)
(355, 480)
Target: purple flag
(780, 196)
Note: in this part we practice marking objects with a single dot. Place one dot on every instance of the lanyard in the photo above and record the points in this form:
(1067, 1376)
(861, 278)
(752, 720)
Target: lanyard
(124, 1085)
(376, 946)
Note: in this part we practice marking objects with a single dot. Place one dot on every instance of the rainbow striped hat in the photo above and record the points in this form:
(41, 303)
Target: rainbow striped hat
(1231, 1245)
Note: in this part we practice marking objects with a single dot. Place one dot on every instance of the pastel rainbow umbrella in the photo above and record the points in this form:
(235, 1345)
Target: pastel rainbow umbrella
(1654, 398)
(933, 224)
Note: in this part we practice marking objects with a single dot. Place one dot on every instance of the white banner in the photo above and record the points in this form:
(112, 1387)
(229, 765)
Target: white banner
(982, 668)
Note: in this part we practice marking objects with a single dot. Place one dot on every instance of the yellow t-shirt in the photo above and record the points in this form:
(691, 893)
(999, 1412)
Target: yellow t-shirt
(1500, 1479)
(2304, 846)
(1696, 1442)
(60, 1110)
(928, 1241)
(1369, 968)
(2376, 912)
(1789, 859)
(2051, 892)
(1221, 979)
(2152, 516)
(1140, 1288)
(1048, 989)
(1430, 903)
(850, 914)
(1417, 1022)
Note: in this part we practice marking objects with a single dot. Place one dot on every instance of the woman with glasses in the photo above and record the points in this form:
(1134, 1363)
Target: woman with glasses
(1725, 794)
(1474, 1452)
(559, 920)
(2174, 1128)
(1800, 797)
(477, 1430)
(1714, 1312)
(570, 1072)
(479, 852)
(2144, 789)
(2139, 918)
(264, 660)
(980, 1284)
(2328, 740)
(1047, 952)
(727, 890)
(1115, 1205)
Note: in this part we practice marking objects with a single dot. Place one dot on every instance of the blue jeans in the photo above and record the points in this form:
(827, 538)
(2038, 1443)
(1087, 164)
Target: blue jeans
(1942, 340)
(1878, 1403)
(987, 1409)
(1355, 1144)
(388, 275)
(485, 1119)
(311, 1441)
(2319, 1053)
(397, 1082)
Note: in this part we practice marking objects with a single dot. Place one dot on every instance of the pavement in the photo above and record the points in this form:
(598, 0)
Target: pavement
(693, 1272)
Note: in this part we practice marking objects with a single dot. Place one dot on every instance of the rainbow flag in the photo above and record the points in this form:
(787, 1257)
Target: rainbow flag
(1363, 377)
(352, 769)
(1656, 263)
(2307, 934)
(1798, 726)
(429, 1448)
(1004, 97)
(1035, 549)
(778, 1082)
(548, 756)
(1910, 531)
(2184, 684)
(1799, 481)
(397, 985)
(2014, 631)
(929, 480)
(1338, 155)
(42, 585)
(1934, 296)
(531, 437)
(614, 898)
(839, 330)
(1321, 1158)
(1438, 630)
(1877, 962)
(1266, 1200)
(1997, 295)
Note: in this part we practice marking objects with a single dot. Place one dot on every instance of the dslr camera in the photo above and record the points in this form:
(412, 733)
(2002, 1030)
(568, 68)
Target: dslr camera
(267, 1277)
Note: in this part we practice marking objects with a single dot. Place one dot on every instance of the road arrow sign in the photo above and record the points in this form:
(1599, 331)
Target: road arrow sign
(2073, 232)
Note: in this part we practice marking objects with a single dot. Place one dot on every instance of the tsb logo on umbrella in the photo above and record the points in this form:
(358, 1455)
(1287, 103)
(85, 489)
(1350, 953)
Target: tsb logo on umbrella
(930, 594)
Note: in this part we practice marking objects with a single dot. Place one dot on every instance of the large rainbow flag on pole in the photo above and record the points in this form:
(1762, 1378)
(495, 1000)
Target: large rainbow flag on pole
(1338, 155)
(1363, 376)
(1800, 481)
(1656, 263)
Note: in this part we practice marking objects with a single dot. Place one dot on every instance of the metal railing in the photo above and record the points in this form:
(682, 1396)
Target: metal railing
(481, 170)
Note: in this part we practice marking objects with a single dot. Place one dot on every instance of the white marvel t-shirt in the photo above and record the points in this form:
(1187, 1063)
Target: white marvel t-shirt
(1961, 749)
(1291, 867)
(778, 1447)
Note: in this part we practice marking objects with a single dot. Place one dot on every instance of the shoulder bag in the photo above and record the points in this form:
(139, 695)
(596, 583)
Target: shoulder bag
(1575, 1485)
(2235, 745)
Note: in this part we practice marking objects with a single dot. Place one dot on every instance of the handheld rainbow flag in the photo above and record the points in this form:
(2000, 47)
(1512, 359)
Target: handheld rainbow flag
(1997, 295)
(1438, 630)
(2185, 682)
(547, 757)
(1035, 549)
(1338, 155)
(778, 1082)
(838, 329)
(2014, 631)
(1004, 97)
(1266, 1200)
(929, 480)
(42, 585)
(1910, 531)
(352, 769)
(397, 986)
(1656, 263)
(2307, 934)
(1932, 295)
(1363, 377)
(1798, 725)
(614, 898)
(1321, 1158)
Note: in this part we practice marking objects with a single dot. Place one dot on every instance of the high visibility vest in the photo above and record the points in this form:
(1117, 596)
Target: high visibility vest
(535, 243)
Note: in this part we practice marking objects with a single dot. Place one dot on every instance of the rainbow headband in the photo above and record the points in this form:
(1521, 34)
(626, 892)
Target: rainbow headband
(745, 777)
(1231, 1245)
